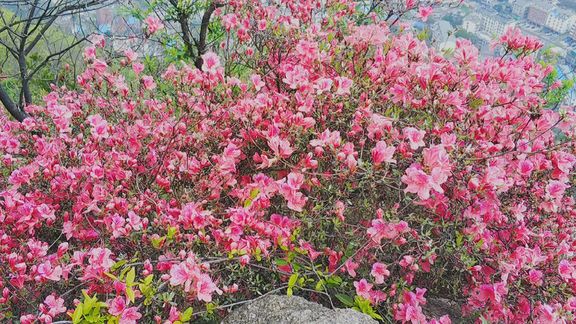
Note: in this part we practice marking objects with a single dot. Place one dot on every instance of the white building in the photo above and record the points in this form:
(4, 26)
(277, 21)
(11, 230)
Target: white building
(495, 25)
(491, 2)
(472, 23)
(520, 7)
(443, 35)
(561, 22)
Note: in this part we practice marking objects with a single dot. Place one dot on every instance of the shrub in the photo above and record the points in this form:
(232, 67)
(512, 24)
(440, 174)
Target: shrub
(348, 163)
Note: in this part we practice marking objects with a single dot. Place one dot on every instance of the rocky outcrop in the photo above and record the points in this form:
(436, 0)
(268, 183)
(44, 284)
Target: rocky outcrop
(276, 309)
(437, 307)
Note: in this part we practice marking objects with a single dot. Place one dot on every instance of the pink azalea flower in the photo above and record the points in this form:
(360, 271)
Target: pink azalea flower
(192, 216)
(130, 316)
(280, 147)
(55, 305)
(205, 288)
(424, 12)
(262, 24)
(381, 229)
(117, 306)
(230, 21)
(137, 67)
(343, 85)
(296, 77)
(46, 271)
(363, 288)
(257, 81)
(90, 53)
(153, 24)
(189, 274)
(210, 63)
(415, 137)
(351, 267)
(323, 85)
(383, 153)
(535, 277)
(99, 66)
(99, 126)
(148, 82)
(379, 272)
(555, 189)
(98, 40)
(566, 270)
(131, 55)
(525, 167)
(493, 292)
(420, 183)
(339, 210)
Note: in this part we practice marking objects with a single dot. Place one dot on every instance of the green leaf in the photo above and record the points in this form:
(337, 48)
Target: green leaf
(158, 242)
(254, 193)
(148, 279)
(117, 265)
(345, 299)
(130, 277)
(476, 102)
(292, 280)
(375, 315)
(459, 239)
(210, 307)
(77, 316)
(186, 315)
(334, 280)
(319, 285)
(130, 293)
(88, 304)
(171, 232)
(330, 37)
(96, 310)
(289, 291)
(111, 276)
(280, 262)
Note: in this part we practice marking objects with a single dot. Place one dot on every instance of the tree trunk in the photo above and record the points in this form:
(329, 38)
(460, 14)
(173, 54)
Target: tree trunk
(26, 93)
(16, 112)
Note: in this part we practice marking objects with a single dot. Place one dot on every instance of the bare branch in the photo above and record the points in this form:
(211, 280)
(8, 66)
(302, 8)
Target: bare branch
(53, 55)
(26, 33)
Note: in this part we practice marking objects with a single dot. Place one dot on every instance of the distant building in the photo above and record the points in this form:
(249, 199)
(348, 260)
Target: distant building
(443, 35)
(495, 25)
(560, 22)
(472, 23)
(537, 15)
(491, 2)
(520, 7)
(482, 42)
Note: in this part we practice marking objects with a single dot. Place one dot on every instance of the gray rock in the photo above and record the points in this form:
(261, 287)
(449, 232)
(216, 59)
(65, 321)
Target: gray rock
(437, 307)
(276, 309)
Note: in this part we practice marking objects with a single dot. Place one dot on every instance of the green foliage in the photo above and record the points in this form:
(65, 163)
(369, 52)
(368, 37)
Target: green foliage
(363, 305)
(556, 94)
(90, 311)
(53, 72)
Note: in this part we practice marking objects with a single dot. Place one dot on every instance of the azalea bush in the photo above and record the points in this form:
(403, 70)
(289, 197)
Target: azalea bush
(321, 150)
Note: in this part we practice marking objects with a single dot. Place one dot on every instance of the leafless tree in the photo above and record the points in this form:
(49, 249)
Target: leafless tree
(26, 25)
(190, 21)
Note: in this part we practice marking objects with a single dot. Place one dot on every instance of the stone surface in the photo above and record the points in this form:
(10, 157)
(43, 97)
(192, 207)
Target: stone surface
(437, 307)
(276, 309)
